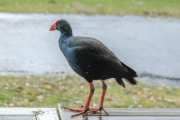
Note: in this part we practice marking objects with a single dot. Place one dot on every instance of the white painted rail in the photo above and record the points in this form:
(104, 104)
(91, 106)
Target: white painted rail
(114, 114)
(28, 114)
(127, 114)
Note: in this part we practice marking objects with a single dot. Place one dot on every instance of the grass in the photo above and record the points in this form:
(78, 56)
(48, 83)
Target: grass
(117, 7)
(49, 90)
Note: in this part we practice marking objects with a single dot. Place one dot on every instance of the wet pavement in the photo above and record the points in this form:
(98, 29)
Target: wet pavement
(146, 44)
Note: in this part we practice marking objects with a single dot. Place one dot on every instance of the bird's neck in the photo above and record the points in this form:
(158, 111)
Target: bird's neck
(66, 34)
(63, 40)
(64, 37)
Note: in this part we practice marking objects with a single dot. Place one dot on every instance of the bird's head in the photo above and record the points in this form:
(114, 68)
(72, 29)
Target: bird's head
(61, 25)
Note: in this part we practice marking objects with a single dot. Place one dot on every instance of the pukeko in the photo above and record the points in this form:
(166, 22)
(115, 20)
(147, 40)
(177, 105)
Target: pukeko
(92, 60)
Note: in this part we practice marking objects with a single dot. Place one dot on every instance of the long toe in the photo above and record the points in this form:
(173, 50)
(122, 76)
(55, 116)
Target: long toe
(75, 109)
(106, 113)
(80, 111)
(98, 111)
(83, 113)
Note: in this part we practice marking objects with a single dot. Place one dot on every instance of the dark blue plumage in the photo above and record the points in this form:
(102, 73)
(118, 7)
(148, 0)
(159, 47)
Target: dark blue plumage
(92, 60)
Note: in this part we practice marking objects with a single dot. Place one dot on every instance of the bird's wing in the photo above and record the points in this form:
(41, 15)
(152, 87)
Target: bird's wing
(94, 50)
(92, 45)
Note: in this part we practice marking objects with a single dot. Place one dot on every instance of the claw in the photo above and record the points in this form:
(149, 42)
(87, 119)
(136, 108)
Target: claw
(106, 113)
(99, 110)
(81, 111)
(87, 111)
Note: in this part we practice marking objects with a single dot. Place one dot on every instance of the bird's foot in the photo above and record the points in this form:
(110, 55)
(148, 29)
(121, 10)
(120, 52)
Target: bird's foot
(87, 111)
(99, 111)
(81, 111)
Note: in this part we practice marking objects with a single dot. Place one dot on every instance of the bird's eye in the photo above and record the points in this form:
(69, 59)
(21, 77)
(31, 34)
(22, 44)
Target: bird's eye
(58, 25)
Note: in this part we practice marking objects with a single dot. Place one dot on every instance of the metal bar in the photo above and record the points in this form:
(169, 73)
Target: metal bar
(130, 113)
(59, 112)
(144, 112)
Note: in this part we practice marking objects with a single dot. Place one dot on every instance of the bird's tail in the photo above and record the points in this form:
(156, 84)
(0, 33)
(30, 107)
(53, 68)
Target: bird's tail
(120, 82)
(130, 80)
(129, 74)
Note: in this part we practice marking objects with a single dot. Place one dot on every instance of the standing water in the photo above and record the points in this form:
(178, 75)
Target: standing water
(149, 45)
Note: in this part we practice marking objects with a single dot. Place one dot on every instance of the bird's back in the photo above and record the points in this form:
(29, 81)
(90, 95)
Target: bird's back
(93, 60)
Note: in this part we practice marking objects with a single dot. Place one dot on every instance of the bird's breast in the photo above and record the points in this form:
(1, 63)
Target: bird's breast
(69, 54)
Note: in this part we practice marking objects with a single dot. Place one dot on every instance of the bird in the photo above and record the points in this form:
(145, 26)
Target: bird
(92, 60)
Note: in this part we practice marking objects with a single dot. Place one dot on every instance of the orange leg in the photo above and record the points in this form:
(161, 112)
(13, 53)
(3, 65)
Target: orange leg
(101, 108)
(85, 109)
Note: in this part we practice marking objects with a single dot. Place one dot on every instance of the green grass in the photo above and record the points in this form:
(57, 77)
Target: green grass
(50, 90)
(117, 7)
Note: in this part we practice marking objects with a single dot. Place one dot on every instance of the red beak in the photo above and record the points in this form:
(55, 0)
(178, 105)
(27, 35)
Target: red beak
(53, 26)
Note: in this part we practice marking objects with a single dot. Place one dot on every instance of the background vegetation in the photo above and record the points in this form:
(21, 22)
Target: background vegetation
(71, 90)
(117, 7)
